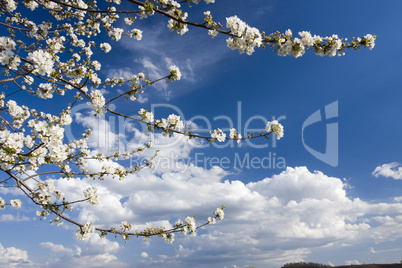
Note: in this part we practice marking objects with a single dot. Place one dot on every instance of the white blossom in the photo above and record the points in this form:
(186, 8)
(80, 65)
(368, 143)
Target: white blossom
(219, 213)
(83, 232)
(106, 47)
(15, 203)
(175, 73)
(98, 101)
(116, 33)
(90, 193)
(276, 128)
(147, 116)
(191, 225)
(45, 91)
(213, 33)
(137, 34)
(42, 62)
(218, 135)
(2, 203)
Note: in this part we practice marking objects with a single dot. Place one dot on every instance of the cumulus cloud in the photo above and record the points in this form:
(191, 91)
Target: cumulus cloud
(13, 257)
(279, 219)
(93, 252)
(283, 217)
(57, 248)
(393, 170)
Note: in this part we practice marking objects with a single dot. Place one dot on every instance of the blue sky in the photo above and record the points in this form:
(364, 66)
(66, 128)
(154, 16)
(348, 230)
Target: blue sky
(304, 209)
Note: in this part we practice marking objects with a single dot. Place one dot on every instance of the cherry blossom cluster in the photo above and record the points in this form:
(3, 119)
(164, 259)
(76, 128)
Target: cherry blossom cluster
(246, 37)
(218, 134)
(47, 189)
(84, 231)
(98, 101)
(90, 193)
(15, 203)
(7, 56)
(175, 73)
(276, 128)
(172, 122)
(234, 135)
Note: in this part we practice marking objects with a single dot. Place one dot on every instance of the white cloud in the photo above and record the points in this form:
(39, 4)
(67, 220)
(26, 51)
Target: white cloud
(13, 257)
(98, 260)
(93, 252)
(353, 262)
(279, 219)
(56, 248)
(144, 255)
(393, 170)
(12, 218)
(287, 215)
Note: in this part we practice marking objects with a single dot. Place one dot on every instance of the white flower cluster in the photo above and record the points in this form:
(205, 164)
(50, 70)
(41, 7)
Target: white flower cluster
(46, 190)
(42, 62)
(136, 33)
(52, 136)
(247, 37)
(368, 41)
(213, 33)
(125, 226)
(49, 133)
(32, 5)
(2, 203)
(191, 227)
(233, 134)
(173, 25)
(98, 101)
(219, 213)
(218, 135)
(144, 13)
(211, 220)
(7, 56)
(276, 128)
(83, 232)
(179, 27)
(45, 91)
(15, 203)
(19, 113)
(10, 5)
(297, 47)
(128, 21)
(175, 73)
(90, 193)
(116, 33)
(172, 122)
(170, 3)
(105, 47)
(11, 145)
(148, 117)
(168, 237)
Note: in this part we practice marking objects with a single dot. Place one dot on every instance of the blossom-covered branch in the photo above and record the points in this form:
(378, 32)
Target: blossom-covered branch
(53, 47)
